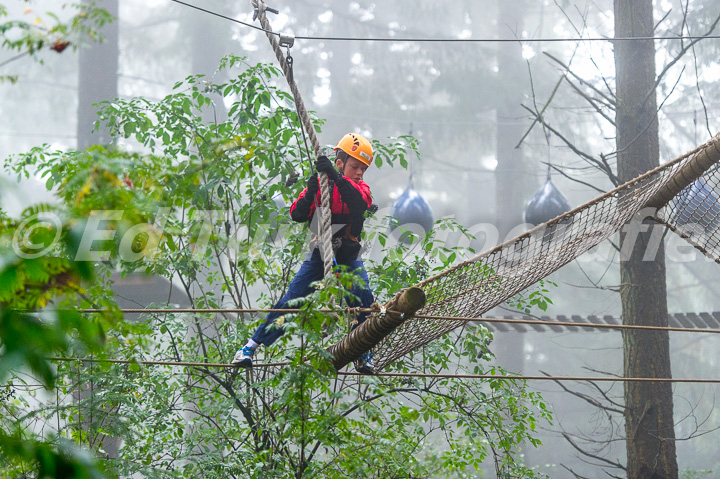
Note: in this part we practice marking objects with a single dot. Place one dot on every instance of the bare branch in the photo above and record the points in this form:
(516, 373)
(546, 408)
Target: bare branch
(588, 399)
(685, 48)
(549, 100)
(605, 395)
(657, 110)
(585, 183)
(599, 164)
(610, 100)
(583, 15)
(570, 21)
(685, 10)
(614, 464)
(16, 57)
(596, 284)
(604, 159)
(667, 14)
(577, 476)
(545, 106)
(593, 102)
(671, 90)
(700, 95)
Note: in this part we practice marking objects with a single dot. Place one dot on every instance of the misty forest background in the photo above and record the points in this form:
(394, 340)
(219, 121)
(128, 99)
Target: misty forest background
(482, 155)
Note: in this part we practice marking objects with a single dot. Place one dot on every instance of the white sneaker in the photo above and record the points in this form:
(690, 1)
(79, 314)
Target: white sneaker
(364, 365)
(243, 358)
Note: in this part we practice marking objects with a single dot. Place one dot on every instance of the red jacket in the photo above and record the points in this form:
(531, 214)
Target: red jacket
(347, 208)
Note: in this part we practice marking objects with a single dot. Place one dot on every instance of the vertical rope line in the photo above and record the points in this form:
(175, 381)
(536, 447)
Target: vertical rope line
(325, 227)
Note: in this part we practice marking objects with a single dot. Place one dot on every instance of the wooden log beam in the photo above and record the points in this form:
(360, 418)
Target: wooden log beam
(695, 168)
(363, 338)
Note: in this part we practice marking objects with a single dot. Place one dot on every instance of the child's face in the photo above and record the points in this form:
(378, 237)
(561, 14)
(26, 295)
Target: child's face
(354, 169)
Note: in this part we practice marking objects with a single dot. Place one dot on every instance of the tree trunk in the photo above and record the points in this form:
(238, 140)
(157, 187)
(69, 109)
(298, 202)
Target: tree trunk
(649, 423)
(97, 81)
(97, 78)
(208, 40)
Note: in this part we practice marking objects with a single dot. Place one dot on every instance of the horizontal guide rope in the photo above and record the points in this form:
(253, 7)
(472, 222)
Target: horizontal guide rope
(504, 40)
(163, 363)
(403, 375)
(452, 40)
(538, 322)
(207, 310)
(572, 324)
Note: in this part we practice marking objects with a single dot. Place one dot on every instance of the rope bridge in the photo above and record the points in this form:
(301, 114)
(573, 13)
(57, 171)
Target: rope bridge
(683, 191)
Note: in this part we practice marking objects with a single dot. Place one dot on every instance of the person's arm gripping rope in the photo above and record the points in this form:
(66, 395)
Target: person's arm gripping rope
(304, 207)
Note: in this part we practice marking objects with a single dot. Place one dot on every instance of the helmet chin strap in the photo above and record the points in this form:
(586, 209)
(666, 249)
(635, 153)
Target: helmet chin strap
(342, 156)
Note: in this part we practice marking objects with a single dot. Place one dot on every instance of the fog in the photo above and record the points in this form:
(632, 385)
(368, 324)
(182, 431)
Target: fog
(482, 155)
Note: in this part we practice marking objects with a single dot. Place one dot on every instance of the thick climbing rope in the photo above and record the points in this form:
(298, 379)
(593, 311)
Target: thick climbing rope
(325, 226)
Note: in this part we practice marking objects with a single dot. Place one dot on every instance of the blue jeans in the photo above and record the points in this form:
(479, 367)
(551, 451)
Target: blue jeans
(313, 270)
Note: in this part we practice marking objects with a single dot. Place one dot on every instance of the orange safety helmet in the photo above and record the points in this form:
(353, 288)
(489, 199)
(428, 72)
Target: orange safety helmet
(356, 146)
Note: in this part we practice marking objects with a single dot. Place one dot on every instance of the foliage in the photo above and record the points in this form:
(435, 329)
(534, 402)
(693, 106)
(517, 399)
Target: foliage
(47, 30)
(537, 298)
(29, 337)
(199, 206)
(30, 281)
(407, 257)
(692, 474)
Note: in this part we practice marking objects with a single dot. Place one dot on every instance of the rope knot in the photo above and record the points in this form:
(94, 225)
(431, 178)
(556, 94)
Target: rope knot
(352, 315)
(260, 9)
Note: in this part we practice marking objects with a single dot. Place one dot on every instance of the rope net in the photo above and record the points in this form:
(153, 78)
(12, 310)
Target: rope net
(686, 191)
(694, 213)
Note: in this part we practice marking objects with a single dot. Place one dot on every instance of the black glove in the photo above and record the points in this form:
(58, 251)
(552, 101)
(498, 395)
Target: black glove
(302, 207)
(313, 186)
(324, 165)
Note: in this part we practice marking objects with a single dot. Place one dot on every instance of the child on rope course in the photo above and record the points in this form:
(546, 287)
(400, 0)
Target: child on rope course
(349, 200)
